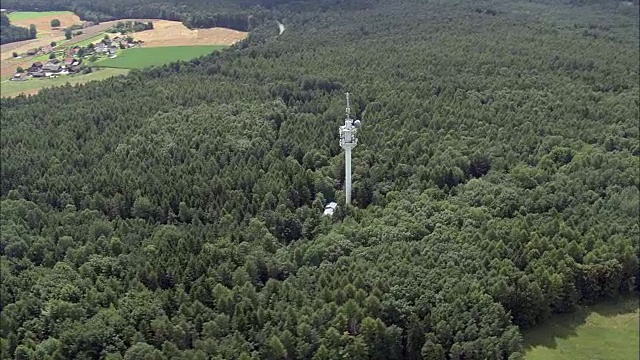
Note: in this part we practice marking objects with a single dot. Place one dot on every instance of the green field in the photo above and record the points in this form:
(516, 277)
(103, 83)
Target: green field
(22, 15)
(143, 57)
(88, 41)
(607, 331)
(12, 88)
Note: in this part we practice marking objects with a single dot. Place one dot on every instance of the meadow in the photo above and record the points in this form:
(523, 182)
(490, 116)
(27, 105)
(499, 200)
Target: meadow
(32, 86)
(29, 15)
(145, 57)
(607, 331)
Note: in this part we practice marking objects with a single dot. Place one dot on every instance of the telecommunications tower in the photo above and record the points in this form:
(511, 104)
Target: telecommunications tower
(348, 141)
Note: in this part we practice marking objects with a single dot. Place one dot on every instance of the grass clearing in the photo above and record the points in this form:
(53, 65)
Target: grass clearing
(28, 15)
(32, 86)
(90, 40)
(144, 57)
(607, 331)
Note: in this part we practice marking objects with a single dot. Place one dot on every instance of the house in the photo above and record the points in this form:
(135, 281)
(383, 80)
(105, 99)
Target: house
(32, 51)
(68, 62)
(38, 74)
(101, 48)
(75, 69)
(53, 62)
(52, 68)
(35, 67)
(47, 49)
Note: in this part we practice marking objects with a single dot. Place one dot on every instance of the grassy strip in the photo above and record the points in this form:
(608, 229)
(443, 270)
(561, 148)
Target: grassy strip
(607, 331)
(14, 88)
(26, 15)
(144, 57)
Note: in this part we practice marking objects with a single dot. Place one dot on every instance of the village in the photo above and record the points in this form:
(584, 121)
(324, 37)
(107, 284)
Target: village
(75, 59)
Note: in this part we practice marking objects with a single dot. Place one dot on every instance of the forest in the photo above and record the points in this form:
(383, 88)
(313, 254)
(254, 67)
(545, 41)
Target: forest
(176, 212)
(11, 33)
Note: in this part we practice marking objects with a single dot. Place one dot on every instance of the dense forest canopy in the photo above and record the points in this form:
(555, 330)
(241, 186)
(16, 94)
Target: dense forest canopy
(11, 33)
(176, 212)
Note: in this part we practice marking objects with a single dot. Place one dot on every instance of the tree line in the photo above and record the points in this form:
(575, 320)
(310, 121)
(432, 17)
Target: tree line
(11, 33)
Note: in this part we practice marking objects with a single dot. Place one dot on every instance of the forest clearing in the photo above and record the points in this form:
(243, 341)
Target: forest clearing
(607, 331)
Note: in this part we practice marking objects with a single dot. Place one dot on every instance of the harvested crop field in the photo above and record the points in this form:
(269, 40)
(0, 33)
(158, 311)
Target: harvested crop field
(174, 33)
(42, 21)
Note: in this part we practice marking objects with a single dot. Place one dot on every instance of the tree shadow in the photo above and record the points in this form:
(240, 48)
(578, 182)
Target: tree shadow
(563, 326)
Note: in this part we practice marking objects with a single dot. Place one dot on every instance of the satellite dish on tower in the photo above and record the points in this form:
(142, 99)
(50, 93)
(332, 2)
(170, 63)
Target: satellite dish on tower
(357, 123)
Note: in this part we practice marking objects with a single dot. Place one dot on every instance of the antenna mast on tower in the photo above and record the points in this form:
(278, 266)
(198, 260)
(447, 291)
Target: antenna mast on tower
(348, 140)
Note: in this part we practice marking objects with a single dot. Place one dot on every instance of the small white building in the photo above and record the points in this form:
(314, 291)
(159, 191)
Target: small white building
(330, 208)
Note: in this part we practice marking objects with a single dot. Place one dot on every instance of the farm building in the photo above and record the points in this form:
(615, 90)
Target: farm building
(52, 67)
(35, 67)
(101, 49)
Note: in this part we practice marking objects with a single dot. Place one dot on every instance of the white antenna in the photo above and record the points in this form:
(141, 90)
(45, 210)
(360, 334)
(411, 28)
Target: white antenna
(348, 141)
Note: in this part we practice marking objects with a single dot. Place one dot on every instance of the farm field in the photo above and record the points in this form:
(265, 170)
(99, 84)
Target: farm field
(144, 57)
(606, 331)
(32, 86)
(42, 21)
(28, 15)
(174, 33)
(168, 41)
